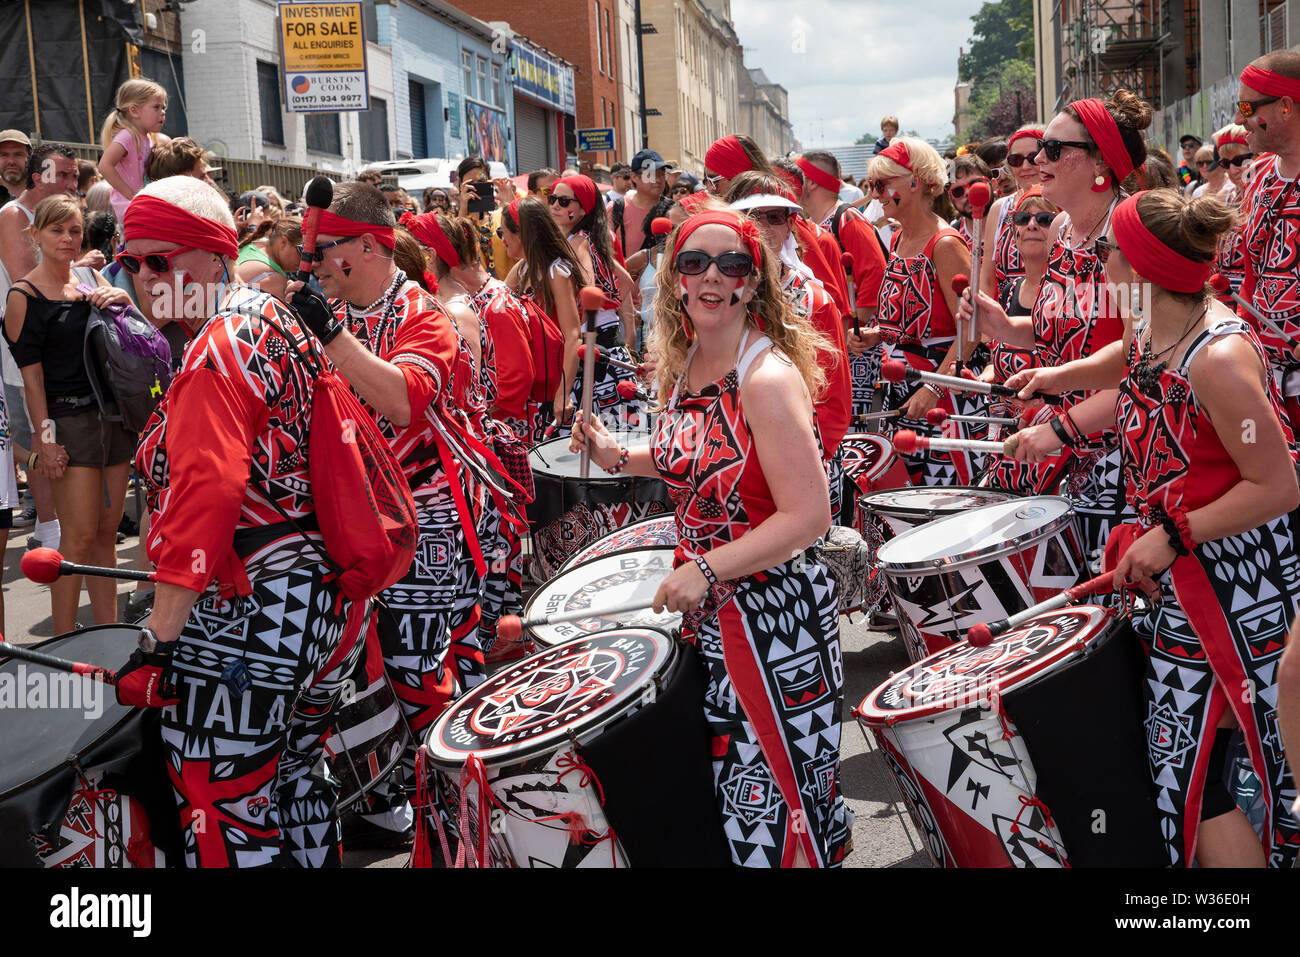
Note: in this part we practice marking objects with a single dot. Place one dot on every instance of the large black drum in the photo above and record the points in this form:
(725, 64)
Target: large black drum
(83, 780)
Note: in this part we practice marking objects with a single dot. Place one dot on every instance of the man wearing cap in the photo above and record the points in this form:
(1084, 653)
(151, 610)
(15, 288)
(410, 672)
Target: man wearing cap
(1187, 169)
(631, 216)
(15, 148)
(620, 175)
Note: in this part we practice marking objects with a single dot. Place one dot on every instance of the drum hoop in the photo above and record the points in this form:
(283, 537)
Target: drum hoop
(541, 590)
(1104, 622)
(69, 760)
(545, 744)
(573, 561)
(933, 566)
(397, 758)
(598, 477)
(929, 514)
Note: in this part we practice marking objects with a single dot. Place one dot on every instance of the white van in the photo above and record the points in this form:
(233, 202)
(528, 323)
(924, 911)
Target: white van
(417, 175)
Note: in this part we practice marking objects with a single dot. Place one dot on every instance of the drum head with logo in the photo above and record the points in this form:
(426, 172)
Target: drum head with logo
(965, 676)
(657, 531)
(978, 533)
(627, 578)
(553, 457)
(923, 501)
(866, 455)
(533, 707)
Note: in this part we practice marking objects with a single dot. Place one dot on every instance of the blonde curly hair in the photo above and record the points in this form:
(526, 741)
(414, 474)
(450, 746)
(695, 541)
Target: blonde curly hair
(792, 335)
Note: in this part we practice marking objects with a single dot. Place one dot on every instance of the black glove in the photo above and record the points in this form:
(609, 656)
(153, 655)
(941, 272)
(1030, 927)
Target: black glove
(144, 681)
(315, 313)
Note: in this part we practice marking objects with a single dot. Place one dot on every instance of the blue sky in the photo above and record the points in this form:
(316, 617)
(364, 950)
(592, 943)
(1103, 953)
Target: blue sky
(847, 63)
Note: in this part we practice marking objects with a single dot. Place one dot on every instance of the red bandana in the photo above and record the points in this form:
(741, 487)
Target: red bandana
(1270, 83)
(795, 184)
(741, 225)
(335, 225)
(584, 190)
(897, 152)
(727, 158)
(1151, 258)
(819, 176)
(149, 217)
(1024, 135)
(513, 210)
(1103, 129)
(428, 230)
(1227, 138)
(692, 200)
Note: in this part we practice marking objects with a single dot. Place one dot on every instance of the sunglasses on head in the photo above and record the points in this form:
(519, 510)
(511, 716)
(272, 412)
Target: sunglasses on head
(564, 201)
(1053, 147)
(772, 217)
(1241, 160)
(1247, 108)
(1017, 160)
(1102, 248)
(1043, 219)
(157, 262)
(695, 262)
(319, 255)
(957, 192)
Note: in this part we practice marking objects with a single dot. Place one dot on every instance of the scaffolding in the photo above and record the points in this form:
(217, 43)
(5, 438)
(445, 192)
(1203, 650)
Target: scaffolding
(1108, 44)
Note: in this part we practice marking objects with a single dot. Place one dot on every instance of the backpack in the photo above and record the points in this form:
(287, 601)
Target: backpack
(547, 345)
(127, 359)
(363, 502)
(835, 229)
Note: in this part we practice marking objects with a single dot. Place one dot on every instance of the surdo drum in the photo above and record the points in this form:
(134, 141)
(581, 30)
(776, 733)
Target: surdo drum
(657, 531)
(622, 578)
(593, 753)
(870, 463)
(570, 512)
(1029, 752)
(979, 566)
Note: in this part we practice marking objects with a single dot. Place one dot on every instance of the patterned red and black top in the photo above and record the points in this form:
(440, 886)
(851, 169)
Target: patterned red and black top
(1007, 264)
(963, 231)
(912, 307)
(809, 299)
(507, 340)
(1271, 281)
(602, 273)
(1230, 258)
(230, 433)
(1172, 456)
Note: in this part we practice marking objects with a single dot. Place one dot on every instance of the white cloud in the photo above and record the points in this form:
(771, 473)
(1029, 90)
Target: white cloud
(860, 61)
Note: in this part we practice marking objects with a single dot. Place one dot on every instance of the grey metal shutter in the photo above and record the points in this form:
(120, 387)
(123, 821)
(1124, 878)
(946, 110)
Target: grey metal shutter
(530, 137)
(419, 137)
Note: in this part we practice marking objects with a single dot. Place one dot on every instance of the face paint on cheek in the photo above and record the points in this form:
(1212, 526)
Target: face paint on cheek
(345, 267)
(735, 294)
(897, 198)
(686, 299)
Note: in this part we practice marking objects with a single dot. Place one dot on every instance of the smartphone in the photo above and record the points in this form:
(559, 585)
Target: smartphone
(484, 200)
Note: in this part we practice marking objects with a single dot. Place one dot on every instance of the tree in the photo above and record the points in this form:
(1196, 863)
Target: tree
(1003, 30)
(1003, 100)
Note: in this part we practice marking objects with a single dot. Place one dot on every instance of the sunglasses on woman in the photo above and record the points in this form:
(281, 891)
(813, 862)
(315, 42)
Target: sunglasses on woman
(1241, 160)
(564, 201)
(1247, 108)
(157, 262)
(772, 217)
(1053, 147)
(876, 187)
(1043, 219)
(319, 255)
(1017, 160)
(957, 192)
(695, 262)
(1208, 164)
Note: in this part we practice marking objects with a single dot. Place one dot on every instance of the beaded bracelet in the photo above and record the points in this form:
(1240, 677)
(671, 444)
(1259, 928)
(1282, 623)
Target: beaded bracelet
(711, 578)
(938, 393)
(622, 461)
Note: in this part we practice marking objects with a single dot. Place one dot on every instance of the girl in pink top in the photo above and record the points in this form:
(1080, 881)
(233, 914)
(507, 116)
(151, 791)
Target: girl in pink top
(128, 136)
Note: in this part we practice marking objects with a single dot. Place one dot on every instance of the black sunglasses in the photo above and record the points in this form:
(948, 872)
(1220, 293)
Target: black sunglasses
(564, 201)
(1247, 108)
(1102, 248)
(695, 262)
(1053, 147)
(772, 217)
(319, 255)
(1043, 219)
(1017, 160)
(1241, 160)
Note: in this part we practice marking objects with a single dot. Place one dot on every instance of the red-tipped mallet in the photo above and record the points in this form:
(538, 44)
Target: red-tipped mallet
(908, 442)
(896, 370)
(982, 635)
(593, 299)
(319, 194)
(846, 260)
(45, 565)
(601, 357)
(661, 226)
(1223, 287)
(960, 283)
(940, 416)
(512, 627)
(628, 391)
(97, 672)
(981, 195)
(873, 416)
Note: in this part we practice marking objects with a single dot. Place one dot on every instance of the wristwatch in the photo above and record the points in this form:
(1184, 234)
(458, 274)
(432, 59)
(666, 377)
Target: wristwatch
(150, 644)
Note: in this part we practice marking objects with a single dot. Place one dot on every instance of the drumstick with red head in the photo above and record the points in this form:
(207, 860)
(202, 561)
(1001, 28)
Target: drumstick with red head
(940, 416)
(96, 672)
(874, 416)
(846, 260)
(1223, 287)
(602, 357)
(661, 226)
(896, 370)
(907, 442)
(593, 298)
(512, 627)
(960, 283)
(980, 196)
(982, 635)
(319, 194)
(45, 565)
(627, 390)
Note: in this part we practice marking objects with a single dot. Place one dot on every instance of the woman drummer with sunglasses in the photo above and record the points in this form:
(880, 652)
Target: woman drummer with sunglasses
(917, 304)
(1001, 263)
(1235, 157)
(737, 445)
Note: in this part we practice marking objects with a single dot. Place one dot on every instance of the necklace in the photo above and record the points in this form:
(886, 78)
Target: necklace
(388, 300)
(1146, 372)
(1105, 217)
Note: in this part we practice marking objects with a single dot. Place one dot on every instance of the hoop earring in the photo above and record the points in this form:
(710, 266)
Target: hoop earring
(1101, 184)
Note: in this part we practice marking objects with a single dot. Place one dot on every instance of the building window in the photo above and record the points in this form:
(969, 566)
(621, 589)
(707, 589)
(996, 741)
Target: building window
(600, 44)
(467, 68)
(482, 81)
(323, 133)
(609, 44)
(496, 85)
(268, 99)
(374, 131)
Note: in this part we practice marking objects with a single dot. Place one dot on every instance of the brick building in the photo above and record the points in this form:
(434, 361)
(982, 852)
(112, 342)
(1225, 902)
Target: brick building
(583, 32)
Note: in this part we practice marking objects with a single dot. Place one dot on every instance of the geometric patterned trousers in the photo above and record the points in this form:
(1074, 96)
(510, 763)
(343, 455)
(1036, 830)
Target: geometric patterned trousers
(770, 646)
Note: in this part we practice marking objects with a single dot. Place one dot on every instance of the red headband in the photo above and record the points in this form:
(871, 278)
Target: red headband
(1270, 83)
(819, 176)
(691, 200)
(897, 151)
(331, 224)
(1232, 138)
(513, 210)
(741, 225)
(584, 190)
(794, 182)
(1032, 192)
(428, 230)
(149, 217)
(1151, 258)
(728, 158)
(1024, 135)
(1103, 129)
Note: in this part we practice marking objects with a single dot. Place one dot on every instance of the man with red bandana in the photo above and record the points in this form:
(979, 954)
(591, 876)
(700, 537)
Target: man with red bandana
(399, 350)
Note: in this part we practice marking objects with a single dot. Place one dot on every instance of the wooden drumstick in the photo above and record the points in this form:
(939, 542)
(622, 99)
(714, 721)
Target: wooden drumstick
(593, 297)
(980, 196)
(982, 635)
(512, 627)
(104, 675)
(873, 416)
(960, 283)
(846, 260)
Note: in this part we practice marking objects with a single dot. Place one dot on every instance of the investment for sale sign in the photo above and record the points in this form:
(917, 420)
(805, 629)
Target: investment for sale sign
(323, 57)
